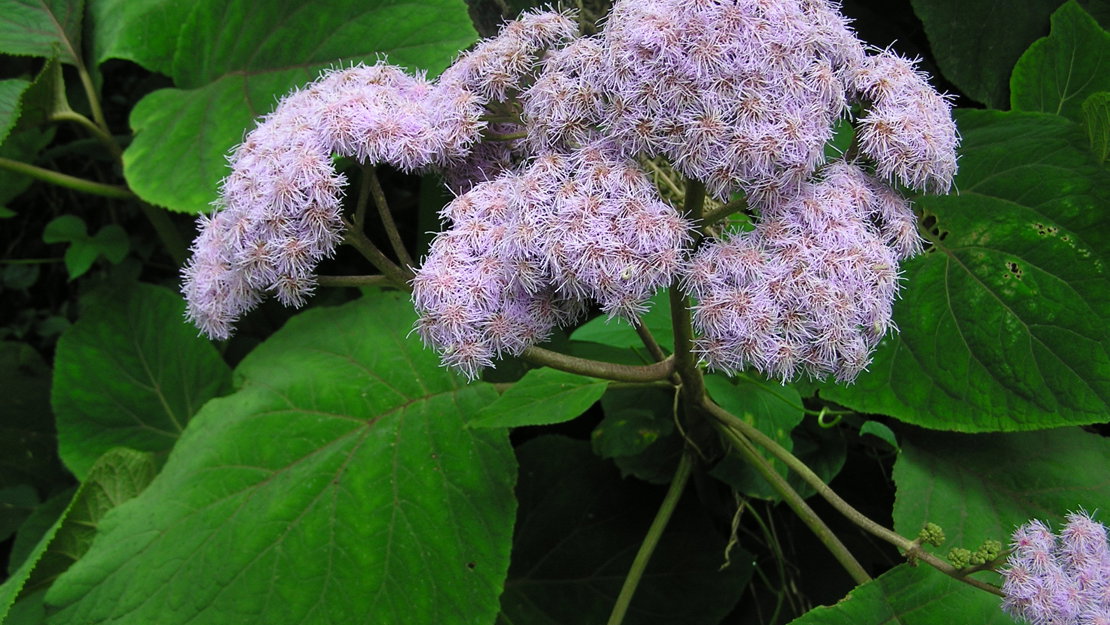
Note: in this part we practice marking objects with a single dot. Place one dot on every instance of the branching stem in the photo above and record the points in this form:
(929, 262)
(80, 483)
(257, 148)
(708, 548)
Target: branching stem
(598, 369)
(387, 217)
(911, 549)
(358, 240)
(797, 504)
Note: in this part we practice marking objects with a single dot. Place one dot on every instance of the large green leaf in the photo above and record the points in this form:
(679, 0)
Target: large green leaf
(773, 408)
(542, 397)
(977, 43)
(578, 529)
(142, 31)
(982, 486)
(116, 477)
(908, 595)
(130, 373)
(1057, 73)
(338, 485)
(233, 60)
(1004, 322)
(42, 28)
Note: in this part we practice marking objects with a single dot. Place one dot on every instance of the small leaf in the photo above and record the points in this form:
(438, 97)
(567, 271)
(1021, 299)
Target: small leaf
(339, 484)
(880, 431)
(1057, 73)
(542, 397)
(773, 408)
(619, 333)
(1096, 119)
(910, 595)
(628, 432)
(578, 528)
(79, 257)
(656, 463)
(112, 242)
(41, 28)
(982, 486)
(11, 94)
(65, 229)
(130, 373)
(6, 212)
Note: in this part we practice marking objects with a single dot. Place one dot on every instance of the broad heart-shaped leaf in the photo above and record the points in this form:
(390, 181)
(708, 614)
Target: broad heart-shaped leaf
(117, 476)
(977, 43)
(41, 28)
(542, 397)
(130, 373)
(980, 486)
(11, 92)
(773, 408)
(234, 60)
(908, 595)
(338, 485)
(1004, 323)
(143, 32)
(578, 529)
(1057, 73)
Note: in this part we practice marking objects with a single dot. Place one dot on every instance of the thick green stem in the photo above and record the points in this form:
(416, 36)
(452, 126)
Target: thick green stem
(655, 532)
(356, 239)
(911, 548)
(67, 181)
(387, 219)
(595, 368)
(686, 363)
(797, 504)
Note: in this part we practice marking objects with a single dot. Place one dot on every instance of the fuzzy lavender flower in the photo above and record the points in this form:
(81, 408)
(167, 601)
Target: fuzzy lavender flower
(279, 210)
(908, 129)
(740, 95)
(1059, 580)
(808, 290)
(482, 292)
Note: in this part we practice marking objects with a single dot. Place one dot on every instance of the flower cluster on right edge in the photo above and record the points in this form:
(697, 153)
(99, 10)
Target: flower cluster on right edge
(1059, 580)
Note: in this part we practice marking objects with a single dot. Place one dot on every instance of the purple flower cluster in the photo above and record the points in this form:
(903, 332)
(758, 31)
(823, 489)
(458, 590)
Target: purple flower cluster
(908, 130)
(279, 210)
(809, 289)
(541, 132)
(1059, 580)
(527, 250)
